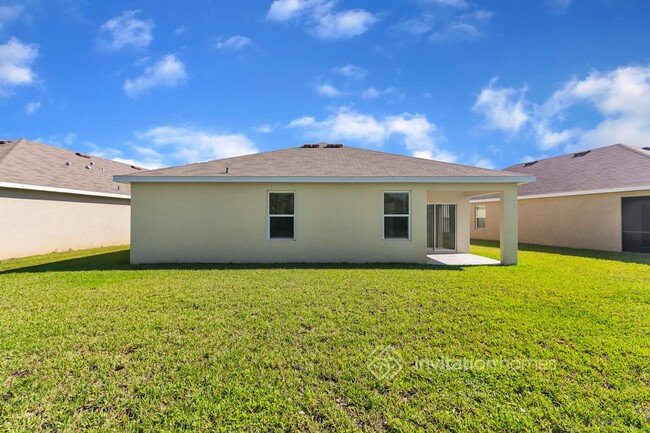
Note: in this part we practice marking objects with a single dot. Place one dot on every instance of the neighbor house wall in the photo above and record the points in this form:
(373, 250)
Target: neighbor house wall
(218, 222)
(34, 222)
(590, 221)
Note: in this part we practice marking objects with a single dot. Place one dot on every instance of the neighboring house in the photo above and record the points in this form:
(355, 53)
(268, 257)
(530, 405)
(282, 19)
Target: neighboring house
(598, 199)
(315, 203)
(53, 199)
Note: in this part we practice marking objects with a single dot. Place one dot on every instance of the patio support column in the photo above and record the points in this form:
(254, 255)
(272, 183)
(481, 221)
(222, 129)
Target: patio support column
(509, 226)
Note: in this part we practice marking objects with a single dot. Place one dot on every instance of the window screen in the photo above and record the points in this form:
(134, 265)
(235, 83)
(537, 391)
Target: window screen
(396, 215)
(480, 216)
(281, 215)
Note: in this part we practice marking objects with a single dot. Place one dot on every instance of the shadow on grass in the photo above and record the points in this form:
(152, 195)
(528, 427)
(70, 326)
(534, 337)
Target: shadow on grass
(119, 261)
(643, 259)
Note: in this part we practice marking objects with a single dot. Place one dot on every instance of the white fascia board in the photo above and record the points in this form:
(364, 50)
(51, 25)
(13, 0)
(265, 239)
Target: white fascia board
(62, 190)
(570, 193)
(306, 179)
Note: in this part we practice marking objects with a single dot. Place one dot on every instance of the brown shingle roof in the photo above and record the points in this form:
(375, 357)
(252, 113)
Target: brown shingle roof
(324, 162)
(27, 162)
(611, 167)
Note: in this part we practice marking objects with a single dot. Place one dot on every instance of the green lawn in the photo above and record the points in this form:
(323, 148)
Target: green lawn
(88, 342)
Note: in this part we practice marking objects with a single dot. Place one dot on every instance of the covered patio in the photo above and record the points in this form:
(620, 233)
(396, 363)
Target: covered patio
(449, 218)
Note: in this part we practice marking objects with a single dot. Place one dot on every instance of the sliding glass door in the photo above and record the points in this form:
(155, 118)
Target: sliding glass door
(441, 227)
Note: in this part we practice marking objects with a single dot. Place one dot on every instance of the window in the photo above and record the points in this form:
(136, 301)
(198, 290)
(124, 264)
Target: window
(281, 215)
(480, 216)
(397, 215)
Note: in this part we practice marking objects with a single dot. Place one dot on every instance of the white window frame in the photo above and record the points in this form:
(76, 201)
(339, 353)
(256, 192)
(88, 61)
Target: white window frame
(476, 217)
(269, 215)
(384, 215)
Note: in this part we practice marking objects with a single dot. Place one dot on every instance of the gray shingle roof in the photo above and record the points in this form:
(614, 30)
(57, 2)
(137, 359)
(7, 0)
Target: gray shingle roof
(616, 166)
(324, 162)
(27, 162)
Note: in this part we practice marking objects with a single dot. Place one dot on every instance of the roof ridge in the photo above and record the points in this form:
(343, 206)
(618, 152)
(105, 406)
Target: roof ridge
(213, 160)
(427, 159)
(75, 152)
(13, 145)
(354, 148)
(593, 149)
(634, 149)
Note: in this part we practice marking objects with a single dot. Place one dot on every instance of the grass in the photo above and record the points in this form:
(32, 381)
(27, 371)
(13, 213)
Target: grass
(88, 342)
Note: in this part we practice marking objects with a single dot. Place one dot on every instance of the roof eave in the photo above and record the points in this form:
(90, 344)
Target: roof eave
(324, 179)
(54, 189)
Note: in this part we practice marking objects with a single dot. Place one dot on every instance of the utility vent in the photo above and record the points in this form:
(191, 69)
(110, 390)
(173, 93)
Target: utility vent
(68, 163)
(528, 164)
(83, 155)
(136, 168)
(5, 141)
(310, 146)
(581, 154)
(333, 146)
(88, 167)
(646, 148)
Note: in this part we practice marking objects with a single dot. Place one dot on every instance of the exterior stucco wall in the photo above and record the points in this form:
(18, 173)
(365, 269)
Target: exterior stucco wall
(33, 222)
(221, 223)
(492, 221)
(583, 221)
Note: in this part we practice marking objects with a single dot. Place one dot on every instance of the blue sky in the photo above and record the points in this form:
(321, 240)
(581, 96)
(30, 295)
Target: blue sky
(486, 83)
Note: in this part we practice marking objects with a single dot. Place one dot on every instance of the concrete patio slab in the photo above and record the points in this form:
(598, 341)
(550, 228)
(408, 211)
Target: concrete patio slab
(460, 259)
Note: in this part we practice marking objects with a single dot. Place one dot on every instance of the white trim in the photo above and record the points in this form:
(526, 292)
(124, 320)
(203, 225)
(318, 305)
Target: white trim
(269, 215)
(316, 179)
(62, 190)
(569, 193)
(401, 215)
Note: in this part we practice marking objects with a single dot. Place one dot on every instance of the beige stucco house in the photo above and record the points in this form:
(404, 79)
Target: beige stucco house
(53, 199)
(315, 203)
(597, 199)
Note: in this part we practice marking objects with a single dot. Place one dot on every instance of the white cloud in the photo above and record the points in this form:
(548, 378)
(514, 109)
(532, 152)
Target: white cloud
(16, 60)
(125, 30)
(418, 135)
(32, 107)
(328, 90)
(284, 10)
(102, 152)
(189, 144)
(321, 18)
(450, 3)
(302, 122)
(265, 128)
(351, 71)
(8, 14)
(464, 27)
(477, 160)
(417, 26)
(621, 97)
(502, 107)
(66, 140)
(558, 6)
(168, 72)
(370, 93)
(460, 22)
(180, 31)
(346, 24)
(234, 43)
